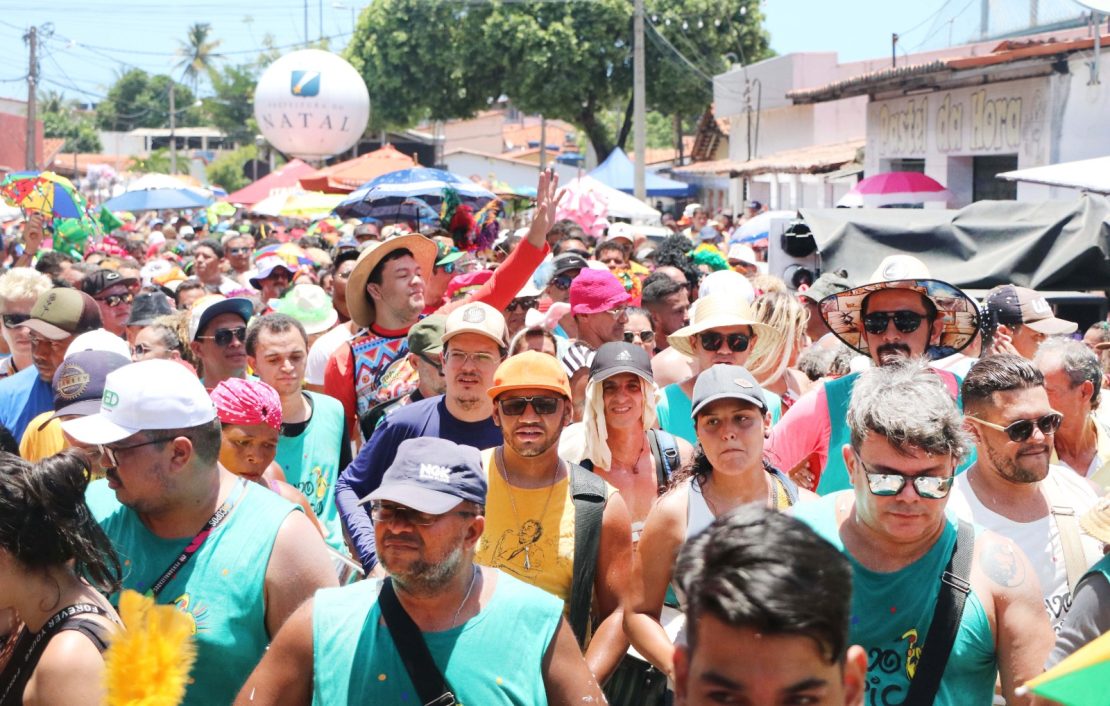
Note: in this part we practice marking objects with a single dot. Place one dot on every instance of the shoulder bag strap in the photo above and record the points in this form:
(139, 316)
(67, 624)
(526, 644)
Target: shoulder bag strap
(426, 678)
(665, 450)
(588, 494)
(1067, 525)
(954, 587)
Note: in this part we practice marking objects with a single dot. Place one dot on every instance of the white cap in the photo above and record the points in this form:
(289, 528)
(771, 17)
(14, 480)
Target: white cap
(742, 252)
(143, 396)
(98, 340)
(899, 267)
(479, 318)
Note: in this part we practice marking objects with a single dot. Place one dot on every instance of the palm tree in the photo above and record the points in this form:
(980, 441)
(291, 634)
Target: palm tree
(197, 53)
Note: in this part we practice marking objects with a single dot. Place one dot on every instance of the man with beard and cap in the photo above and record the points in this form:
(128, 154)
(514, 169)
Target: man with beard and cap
(217, 337)
(901, 315)
(59, 316)
(112, 292)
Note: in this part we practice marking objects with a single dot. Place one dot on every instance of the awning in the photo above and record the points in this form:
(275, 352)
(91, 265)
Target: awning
(1085, 174)
(815, 159)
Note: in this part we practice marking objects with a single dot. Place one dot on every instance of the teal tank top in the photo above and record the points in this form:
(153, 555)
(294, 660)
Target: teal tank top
(675, 410)
(838, 393)
(891, 615)
(220, 588)
(494, 658)
(311, 463)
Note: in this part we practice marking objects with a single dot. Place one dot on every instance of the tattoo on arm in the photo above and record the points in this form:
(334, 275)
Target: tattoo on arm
(1002, 564)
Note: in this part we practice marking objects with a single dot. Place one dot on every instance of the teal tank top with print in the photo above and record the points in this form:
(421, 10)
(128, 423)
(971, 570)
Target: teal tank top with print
(838, 393)
(311, 463)
(495, 658)
(891, 615)
(675, 410)
(221, 588)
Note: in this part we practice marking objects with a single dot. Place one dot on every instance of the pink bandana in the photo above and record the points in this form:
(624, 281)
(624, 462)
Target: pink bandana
(247, 402)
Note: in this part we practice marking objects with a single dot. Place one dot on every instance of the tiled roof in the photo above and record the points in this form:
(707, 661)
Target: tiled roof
(815, 159)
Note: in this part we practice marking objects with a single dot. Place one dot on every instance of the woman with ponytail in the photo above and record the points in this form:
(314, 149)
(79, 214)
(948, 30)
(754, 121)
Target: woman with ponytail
(55, 563)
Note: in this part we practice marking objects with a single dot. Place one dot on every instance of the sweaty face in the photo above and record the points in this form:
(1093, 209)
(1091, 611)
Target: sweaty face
(892, 345)
(279, 360)
(791, 669)
(422, 558)
(1017, 461)
(248, 450)
(402, 288)
(730, 432)
(469, 362)
(531, 434)
(48, 354)
(603, 327)
(115, 309)
(623, 397)
(221, 362)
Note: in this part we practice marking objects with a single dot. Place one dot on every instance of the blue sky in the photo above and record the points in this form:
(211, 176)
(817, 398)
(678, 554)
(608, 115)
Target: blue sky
(93, 39)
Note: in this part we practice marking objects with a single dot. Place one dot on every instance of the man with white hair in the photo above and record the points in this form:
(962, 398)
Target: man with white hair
(19, 288)
(1073, 380)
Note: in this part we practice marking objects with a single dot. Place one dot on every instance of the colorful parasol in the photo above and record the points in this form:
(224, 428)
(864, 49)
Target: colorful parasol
(1079, 679)
(47, 193)
(291, 253)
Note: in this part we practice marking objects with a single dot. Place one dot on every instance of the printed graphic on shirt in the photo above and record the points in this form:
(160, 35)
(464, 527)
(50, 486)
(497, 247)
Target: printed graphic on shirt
(315, 489)
(373, 357)
(519, 552)
(196, 611)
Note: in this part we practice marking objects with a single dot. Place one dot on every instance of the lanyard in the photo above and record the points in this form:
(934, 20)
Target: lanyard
(194, 545)
(27, 652)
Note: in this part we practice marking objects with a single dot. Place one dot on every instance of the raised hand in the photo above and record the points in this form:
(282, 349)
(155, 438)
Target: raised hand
(547, 201)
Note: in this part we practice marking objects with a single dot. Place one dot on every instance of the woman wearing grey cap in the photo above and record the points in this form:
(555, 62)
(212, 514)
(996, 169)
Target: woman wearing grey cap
(731, 419)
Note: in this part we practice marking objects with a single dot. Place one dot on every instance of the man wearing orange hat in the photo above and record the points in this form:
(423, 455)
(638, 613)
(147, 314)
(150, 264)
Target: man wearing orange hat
(551, 523)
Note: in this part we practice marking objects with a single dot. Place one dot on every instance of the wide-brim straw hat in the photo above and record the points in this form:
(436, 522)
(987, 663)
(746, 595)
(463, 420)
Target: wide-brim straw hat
(721, 311)
(1096, 521)
(843, 311)
(358, 301)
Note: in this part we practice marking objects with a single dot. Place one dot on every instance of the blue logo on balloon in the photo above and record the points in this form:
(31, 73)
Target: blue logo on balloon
(305, 83)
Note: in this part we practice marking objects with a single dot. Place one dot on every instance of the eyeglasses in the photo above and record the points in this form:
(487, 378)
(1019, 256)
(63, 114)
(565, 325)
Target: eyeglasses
(712, 340)
(888, 484)
(238, 251)
(515, 406)
(223, 336)
(645, 336)
(111, 451)
(114, 300)
(462, 357)
(449, 268)
(562, 281)
(905, 321)
(618, 312)
(1022, 429)
(406, 515)
(522, 303)
(142, 349)
(13, 320)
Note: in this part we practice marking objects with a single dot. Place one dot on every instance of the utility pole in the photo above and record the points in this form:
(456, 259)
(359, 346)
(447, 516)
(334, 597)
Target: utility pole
(32, 88)
(173, 128)
(639, 108)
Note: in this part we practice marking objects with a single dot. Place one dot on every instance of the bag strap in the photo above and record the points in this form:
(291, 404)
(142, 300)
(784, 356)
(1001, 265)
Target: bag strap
(954, 587)
(664, 449)
(1067, 525)
(588, 493)
(426, 678)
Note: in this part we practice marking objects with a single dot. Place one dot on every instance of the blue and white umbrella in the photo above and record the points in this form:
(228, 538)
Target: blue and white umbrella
(410, 195)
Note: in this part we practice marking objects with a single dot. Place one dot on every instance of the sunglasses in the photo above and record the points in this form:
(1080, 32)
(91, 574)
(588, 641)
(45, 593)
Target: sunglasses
(888, 484)
(115, 300)
(238, 251)
(406, 515)
(524, 304)
(905, 321)
(223, 336)
(712, 340)
(645, 336)
(562, 281)
(1022, 429)
(515, 406)
(13, 320)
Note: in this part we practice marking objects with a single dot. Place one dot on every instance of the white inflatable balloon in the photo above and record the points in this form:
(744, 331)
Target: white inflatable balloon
(311, 104)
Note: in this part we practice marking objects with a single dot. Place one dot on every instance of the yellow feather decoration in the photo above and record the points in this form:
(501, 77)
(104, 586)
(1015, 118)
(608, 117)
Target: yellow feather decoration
(148, 663)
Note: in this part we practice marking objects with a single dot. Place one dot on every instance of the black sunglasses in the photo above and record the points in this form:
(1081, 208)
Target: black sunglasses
(1022, 429)
(712, 340)
(223, 336)
(238, 251)
(646, 336)
(562, 281)
(515, 406)
(522, 303)
(877, 322)
(13, 320)
(115, 300)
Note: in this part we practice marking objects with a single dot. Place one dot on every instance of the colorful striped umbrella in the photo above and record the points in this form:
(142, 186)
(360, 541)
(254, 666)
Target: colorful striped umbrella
(45, 192)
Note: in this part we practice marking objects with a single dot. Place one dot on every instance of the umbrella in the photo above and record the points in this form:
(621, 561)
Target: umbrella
(1078, 680)
(52, 195)
(293, 255)
(892, 188)
(756, 228)
(409, 195)
(156, 200)
(298, 204)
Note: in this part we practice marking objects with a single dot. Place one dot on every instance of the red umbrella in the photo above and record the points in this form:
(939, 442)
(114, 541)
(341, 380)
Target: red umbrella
(891, 188)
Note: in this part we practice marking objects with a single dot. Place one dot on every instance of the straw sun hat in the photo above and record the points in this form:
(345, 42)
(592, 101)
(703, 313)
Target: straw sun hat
(720, 311)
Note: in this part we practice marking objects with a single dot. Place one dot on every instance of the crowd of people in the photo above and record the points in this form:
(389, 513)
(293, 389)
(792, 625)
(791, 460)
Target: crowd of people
(372, 464)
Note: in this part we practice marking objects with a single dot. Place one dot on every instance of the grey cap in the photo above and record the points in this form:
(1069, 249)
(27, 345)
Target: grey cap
(726, 382)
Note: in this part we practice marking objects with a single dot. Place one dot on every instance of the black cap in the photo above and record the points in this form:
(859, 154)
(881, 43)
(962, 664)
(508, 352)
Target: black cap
(567, 262)
(102, 279)
(147, 307)
(620, 357)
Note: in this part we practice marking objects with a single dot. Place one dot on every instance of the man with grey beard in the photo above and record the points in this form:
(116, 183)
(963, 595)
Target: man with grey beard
(1012, 490)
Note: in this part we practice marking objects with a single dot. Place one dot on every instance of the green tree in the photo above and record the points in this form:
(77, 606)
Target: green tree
(138, 99)
(197, 52)
(64, 118)
(157, 162)
(227, 169)
(231, 109)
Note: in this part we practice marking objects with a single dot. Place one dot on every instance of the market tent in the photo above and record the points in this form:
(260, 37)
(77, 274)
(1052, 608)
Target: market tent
(617, 203)
(1085, 174)
(618, 171)
(1049, 245)
(345, 177)
(275, 182)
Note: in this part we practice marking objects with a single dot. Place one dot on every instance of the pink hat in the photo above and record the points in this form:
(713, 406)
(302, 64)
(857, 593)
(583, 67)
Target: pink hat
(247, 402)
(461, 285)
(595, 291)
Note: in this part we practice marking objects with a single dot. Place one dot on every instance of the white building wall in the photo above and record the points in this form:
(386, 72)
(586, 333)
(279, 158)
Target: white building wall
(512, 173)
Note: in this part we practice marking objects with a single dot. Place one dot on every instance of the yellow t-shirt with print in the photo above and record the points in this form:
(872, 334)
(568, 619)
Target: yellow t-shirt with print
(37, 443)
